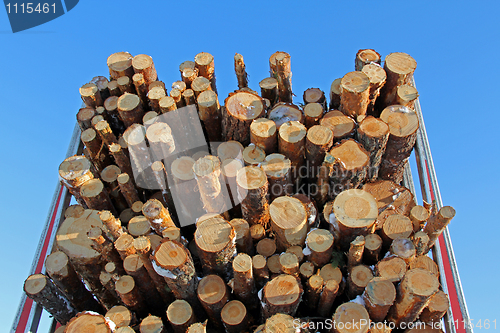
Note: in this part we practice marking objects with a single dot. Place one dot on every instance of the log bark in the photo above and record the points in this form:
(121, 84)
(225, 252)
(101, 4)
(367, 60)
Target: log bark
(269, 89)
(323, 189)
(121, 316)
(327, 297)
(373, 247)
(199, 85)
(90, 95)
(234, 317)
(284, 112)
(314, 288)
(74, 172)
(335, 93)
(281, 295)
(216, 246)
(318, 142)
(141, 88)
(180, 315)
(263, 134)
(240, 70)
(355, 212)
(129, 293)
(125, 85)
(111, 106)
(404, 249)
(96, 196)
(143, 64)
(253, 189)
(438, 222)
(358, 279)
(288, 222)
(377, 77)
(320, 243)
(204, 63)
(253, 155)
(395, 226)
(281, 70)
(128, 189)
(120, 64)
(436, 309)
(313, 112)
(415, 291)
(155, 94)
(406, 95)
(96, 149)
(355, 94)
(158, 216)
(130, 109)
(365, 57)
(241, 108)
(373, 134)
(421, 242)
(349, 313)
(399, 68)
(355, 254)
(152, 324)
(42, 290)
(391, 268)
(342, 126)
(315, 95)
(243, 281)
(266, 247)
(213, 294)
(379, 295)
(244, 242)
(113, 89)
(260, 270)
(210, 114)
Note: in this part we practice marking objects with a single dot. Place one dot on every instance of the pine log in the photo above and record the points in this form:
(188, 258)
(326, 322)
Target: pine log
(180, 315)
(279, 322)
(335, 93)
(143, 64)
(102, 85)
(155, 94)
(280, 65)
(355, 94)
(140, 156)
(281, 295)
(88, 321)
(257, 232)
(120, 316)
(96, 196)
(289, 264)
(306, 269)
(188, 76)
(399, 68)
(167, 104)
(436, 309)
(260, 270)
(274, 266)
(152, 324)
(426, 263)
(322, 191)
(102, 244)
(253, 187)
(114, 91)
(342, 126)
(216, 246)
(74, 211)
(391, 268)
(229, 170)
(395, 226)
(84, 117)
(253, 155)
(314, 288)
(379, 295)
(130, 109)
(150, 118)
(241, 108)
(128, 291)
(269, 89)
(105, 132)
(125, 85)
(113, 225)
(288, 222)
(414, 293)
(42, 290)
(421, 242)
(327, 297)
(188, 97)
(120, 64)
(311, 209)
(373, 247)
(141, 88)
(284, 112)
(244, 242)
(320, 244)
(243, 281)
(199, 85)
(406, 95)
(266, 247)
(358, 279)
(313, 112)
(351, 317)
(111, 106)
(109, 175)
(187, 64)
(125, 245)
(204, 63)
(373, 134)
(418, 216)
(125, 329)
(176, 94)
(210, 114)
(90, 95)
(161, 140)
(355, 254)
(404, 249)
(239, 69)
(75, 171)
(350, 167)
(365, 57)
(158, 216)
(197, 328)
(437, 223)
(213, 294)
(127, 188)
(230, 150)
(292, 142)
(263, 134)
(318, 142)
(355, 212)
(315, 95)
(234, 317)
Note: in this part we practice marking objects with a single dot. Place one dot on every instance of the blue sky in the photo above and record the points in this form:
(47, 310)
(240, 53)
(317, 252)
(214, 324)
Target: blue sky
(455, 45)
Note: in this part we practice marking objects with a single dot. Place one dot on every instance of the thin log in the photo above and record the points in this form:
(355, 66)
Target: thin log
(155, 94)
(89, 322)
(355, 254)
(243, 281)
(158, 216)
(129, 293)
(307, 269)
(327, 297)
(281, 70)
(210, 114)
(404, 249)
(365, 57)
(421, 242)
(314, 287)
(399, 68)
(335, 93)
(355, 94)
(189, 97)
(141, 88)
(125, 245)
(426, 263)
(373, 134)
(437, 223)
(257, 232)
(320, 244)
(342, 126)
(269, 89)
(152, 324)
(396, 226)
(379, 295)
(113, 89)
(244, 242)
(111, 106)
(130, 109)
(90, 95)
(176, 94)
(373, 247)
(315, 95)
(144, 65)
(253, 155)
(278, 322)
(96, 196)
(263, 134)
(127, 188)
(84, 117)
(436, 309)
(292, 142)
(288, 222)
(260, 270)
(289, 264)
(253, 188)
(318, 142)
(278, 169)
(284, 112)
(240, 70)
(207, 171)
(75, 171)
(406, 95)
(167, 104)
(104, 130)
(125, 85)
(313, 113)
(204, 63)
(199, 85)
(266, 247)
(121, 316)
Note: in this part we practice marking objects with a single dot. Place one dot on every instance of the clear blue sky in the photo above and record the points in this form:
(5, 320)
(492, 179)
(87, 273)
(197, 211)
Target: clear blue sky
(455, 45)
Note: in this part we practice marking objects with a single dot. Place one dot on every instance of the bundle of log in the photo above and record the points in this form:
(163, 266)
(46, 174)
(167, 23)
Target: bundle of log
(288, 215)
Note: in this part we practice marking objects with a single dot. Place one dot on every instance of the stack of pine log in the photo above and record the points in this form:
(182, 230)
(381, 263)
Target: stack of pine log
(318, 225)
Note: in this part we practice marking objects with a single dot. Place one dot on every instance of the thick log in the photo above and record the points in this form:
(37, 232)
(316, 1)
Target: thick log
(230, 150)
(121, 316)
(281, 295)
(90, 95)
(342, 126)
(414, 293)
(318, 142)
(125, 85)
(279, 322)
(355, 212)
(210, 114)
(244, 242)
(355, 94)
(373, 134)
(260, 270)
(350, 167)
(241, 108)
(278, 170)
(391, 268)
(280, 65)
(266, 247)
(327, 297)
(120, 64)
(88, 321)
(313, 112)
(263, 134)
(213, 294)
(355, 254)
(395, 226)
(348, 315)
(269, 89)
(399, 68)
(239, 69)
(284, 112)
(436, 309)
(379, 295)
(204, 63)
(365, 57)
(437, 223)
(373, 247)
(253, 155)
(288, 222)
(167, 104)
(180, 315)
(243, 281)
(234, 317)
(252, 188)
(216, 246)
(139, 226)
(311, 209)
(320, 243)
(42, 290)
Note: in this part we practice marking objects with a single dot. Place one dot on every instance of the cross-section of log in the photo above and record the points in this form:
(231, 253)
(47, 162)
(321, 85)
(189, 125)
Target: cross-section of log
(288, 222)
(399, 68)
(406, 95)
(176, 94)
(141, 88)
(313, 113)
(42, 290)
(279, 322)
(152, 324)
(239, 69)
(281, 295)
(341, 125)
(90, 95)
(260, 270)
(167, 104)
(404, 249)
(355, 212)
(373, 134)
(280, 65)
(96, 196)
(114, 91)
(241, 108)
(204, 63)
(188, 97)
(418, 216)
(358, 279)
(335, 94)
(355, 87)
(350, 167)
(125, 85)
(292, 142)
(273, 263)
(213, 294)
(283, 112)
(314, 287)
(155, 94)
(121, 316)
(74, 211)
(230, 150)
(379, 295)
(315, 95)
(75, 171)
(436, 309)
(244, 242)
(269, 89)
(365, 57)
(415, 290)
(391, 268)
(127, 188)
(306, 270)
(65, 278)
(130, 109)
(373, 247)
(318, 142)
(161, 140)
(234, 317)
(252, 188)
(243, 282)
(351, 318)
(102, 85)
(135, 137)
(188, 76)
(215, 240)
(395, 226)
(199, 85)
(144, 65)
(253, 155)
(84, 117)
(320, 244)
(263, 134)
(158, 216)
(197, 328)
(426, 263)
(327, 297)
(88, 321)
(210, 114)
(438, 222)
(377, 77)
(180, 315)
(120, 64)
(355, 254)
(266, 247)
(289, 264)
(113, 225)
(421, 241)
